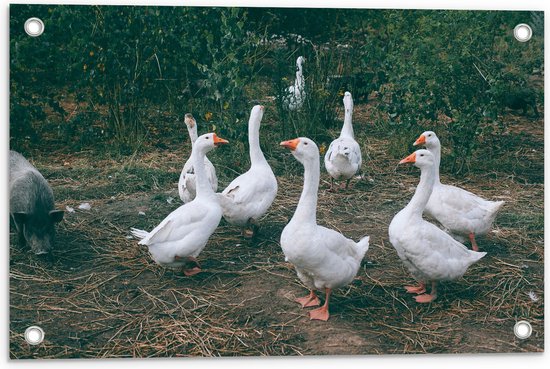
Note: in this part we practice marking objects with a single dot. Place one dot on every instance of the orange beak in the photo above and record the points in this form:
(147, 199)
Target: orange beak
(409, 159)
(219, 141)
(420, 140)
(291, 144)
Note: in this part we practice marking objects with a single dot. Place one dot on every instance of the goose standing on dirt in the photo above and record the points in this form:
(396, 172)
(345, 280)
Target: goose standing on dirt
(461, 212)
(295, 97)
(250, 195)
(343, 157)
(182, 235)
(429, 253)
(324, 259)
(187, 184)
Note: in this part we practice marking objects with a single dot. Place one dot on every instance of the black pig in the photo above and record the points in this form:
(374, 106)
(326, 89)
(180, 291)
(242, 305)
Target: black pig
(32, 206)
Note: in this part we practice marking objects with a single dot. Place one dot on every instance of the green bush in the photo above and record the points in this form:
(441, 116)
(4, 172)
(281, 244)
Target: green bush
(120, 76)
(445, 73)
(229, 64)
(124, 62)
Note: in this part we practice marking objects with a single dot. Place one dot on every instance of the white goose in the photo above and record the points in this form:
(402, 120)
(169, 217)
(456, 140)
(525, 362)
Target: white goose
(187, 187)
(182, 235)
(324, 259)
(249, 196)
(343, 157)
(459, 211)
(294, 100)
(429, 253)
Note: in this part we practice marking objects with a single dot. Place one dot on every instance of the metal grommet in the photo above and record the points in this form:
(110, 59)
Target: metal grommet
(523, 32)
(523, 329)
(34, 27)
(34, 335)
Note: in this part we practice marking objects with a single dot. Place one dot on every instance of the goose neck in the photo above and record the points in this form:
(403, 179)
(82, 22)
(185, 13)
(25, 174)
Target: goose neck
(436, 152)
(306, 212)
(256, 155)
(423, 192)
(347, 128)
(203, 185)
(192, 133)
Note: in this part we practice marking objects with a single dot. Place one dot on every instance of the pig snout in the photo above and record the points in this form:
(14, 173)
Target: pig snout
(41, 247)
(40, 242)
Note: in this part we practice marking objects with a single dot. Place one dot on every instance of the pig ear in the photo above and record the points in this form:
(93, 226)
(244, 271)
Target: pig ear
(19, 218)
(56, 215)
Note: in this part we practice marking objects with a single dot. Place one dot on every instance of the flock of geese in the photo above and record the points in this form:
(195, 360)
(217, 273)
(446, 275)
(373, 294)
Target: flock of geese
(323, 258)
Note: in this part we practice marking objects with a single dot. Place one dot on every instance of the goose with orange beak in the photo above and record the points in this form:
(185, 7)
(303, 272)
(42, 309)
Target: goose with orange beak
(323, 258)
(464, 214)
(429, 253)
(179, 239)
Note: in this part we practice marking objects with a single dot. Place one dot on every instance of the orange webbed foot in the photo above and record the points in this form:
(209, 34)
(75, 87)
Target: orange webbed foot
(421, 288)
(308, 301)
(193, 267)
(319, 314)
(425, 298)
(191, 272)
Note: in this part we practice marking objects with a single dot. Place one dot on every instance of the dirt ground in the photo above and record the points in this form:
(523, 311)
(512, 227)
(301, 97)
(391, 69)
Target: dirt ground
(101, 295)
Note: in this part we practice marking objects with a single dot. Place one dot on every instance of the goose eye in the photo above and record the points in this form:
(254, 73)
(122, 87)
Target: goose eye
(305, 143)
(207, 137)
(421, 154)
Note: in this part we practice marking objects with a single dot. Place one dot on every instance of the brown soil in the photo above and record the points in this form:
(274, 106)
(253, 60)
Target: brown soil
(101, 295)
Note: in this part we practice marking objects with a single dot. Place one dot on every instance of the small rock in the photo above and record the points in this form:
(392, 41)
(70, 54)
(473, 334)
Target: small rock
(170, 200)
(533, 296)
(69, 209)
(141, 213)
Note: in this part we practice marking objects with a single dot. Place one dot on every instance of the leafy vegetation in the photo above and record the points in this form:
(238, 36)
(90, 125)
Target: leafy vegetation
(455, 80)
(119, 72)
